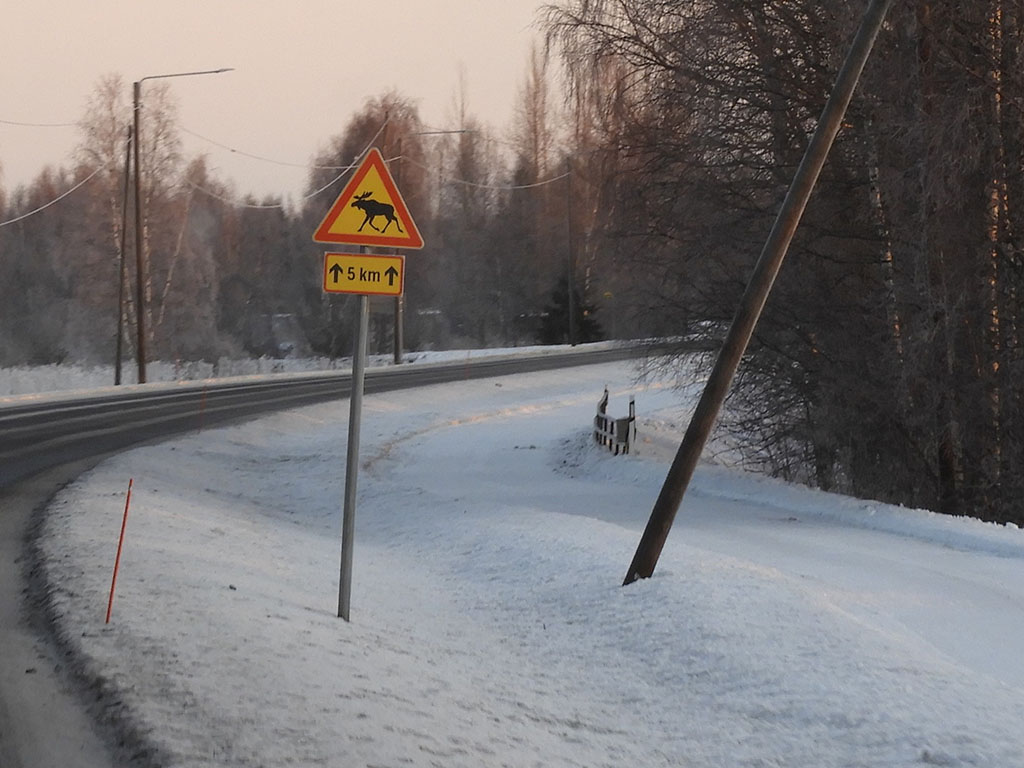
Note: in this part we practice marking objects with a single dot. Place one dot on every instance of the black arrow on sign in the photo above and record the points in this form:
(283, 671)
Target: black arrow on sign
(392, 273)
(336, 271)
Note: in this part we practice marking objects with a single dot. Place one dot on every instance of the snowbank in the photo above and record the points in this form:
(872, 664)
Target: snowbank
(784, 627)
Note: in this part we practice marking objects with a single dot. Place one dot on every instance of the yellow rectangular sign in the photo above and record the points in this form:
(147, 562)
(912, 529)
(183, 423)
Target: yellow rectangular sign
(364, 273)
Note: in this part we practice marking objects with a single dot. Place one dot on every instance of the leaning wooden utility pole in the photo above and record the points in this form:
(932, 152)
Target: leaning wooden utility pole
(754, 298)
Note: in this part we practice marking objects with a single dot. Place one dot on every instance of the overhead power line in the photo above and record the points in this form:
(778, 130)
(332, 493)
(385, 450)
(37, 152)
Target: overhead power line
(56, 199)
(228, 200)
(235, 151)
(38, 125)
(286, 163)
(480, 185)
(341, 169)
(217, 196)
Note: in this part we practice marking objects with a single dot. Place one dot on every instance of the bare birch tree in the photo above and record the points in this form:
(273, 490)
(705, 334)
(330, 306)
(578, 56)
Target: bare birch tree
(885, 362)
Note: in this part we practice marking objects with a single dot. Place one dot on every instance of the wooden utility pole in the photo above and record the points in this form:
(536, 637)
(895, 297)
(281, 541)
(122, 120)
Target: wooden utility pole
(754, 298)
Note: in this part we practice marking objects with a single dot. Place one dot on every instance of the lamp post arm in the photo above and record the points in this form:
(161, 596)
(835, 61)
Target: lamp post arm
(186, 74)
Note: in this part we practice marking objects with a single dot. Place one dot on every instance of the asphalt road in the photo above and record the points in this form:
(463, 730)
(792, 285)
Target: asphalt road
(48, 718)
(48, 432)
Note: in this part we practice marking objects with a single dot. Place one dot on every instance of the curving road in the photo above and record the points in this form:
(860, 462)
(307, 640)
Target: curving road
(51, 431)
(47, 719)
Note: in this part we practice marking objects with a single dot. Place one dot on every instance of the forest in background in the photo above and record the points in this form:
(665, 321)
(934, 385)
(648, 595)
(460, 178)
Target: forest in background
(652, 146)
(236, 277)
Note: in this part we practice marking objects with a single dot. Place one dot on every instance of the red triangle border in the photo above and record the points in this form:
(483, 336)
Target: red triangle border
(412, 237)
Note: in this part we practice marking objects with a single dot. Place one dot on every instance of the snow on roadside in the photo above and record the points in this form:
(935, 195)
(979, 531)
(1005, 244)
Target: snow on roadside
(35, 379)
(488, 625)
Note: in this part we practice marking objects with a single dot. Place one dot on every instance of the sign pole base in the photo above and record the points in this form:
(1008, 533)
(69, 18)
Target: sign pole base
(348, 521)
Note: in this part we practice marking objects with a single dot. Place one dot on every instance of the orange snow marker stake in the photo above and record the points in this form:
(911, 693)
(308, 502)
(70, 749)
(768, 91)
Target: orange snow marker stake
(120, 543)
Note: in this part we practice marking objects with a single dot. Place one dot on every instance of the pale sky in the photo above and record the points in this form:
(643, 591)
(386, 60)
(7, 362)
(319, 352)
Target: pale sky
(302, 69)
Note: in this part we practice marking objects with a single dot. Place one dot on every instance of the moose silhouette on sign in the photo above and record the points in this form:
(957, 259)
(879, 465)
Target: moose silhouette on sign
(373, 209)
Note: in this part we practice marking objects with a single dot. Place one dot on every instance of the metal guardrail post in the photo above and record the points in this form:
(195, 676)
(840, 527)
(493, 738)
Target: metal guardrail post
(615, 433)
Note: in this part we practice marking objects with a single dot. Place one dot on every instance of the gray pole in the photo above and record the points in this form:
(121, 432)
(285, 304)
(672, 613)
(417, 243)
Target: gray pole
(399, 329)
(348, 521)
(754, 298)
(399, 340)
(140, 277)
(120, 272)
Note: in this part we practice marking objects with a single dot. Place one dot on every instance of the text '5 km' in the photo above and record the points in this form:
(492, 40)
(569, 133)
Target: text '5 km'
(364, 274)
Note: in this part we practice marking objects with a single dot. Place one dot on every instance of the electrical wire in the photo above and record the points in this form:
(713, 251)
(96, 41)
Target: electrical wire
(39, 125)
(311, 195)
(343, 170)
(229, 201)
(285, 163)
(257, 157)
(478, 185)
(56, 199)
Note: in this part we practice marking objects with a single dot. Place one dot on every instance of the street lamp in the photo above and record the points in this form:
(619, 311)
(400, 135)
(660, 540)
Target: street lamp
(139, 265)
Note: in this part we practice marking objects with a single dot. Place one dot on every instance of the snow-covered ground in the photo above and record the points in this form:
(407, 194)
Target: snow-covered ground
(783, 627)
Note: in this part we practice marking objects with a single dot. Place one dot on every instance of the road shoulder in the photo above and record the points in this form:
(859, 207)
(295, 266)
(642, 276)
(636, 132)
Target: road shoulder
(46, 717)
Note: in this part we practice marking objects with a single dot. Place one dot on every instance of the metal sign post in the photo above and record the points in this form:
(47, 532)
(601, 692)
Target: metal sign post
(370, 199)
(348, 519)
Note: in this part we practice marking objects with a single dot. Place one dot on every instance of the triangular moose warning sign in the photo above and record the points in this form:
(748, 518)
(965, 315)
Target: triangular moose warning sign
(370, 211)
